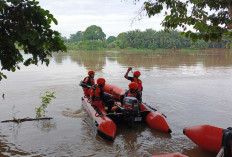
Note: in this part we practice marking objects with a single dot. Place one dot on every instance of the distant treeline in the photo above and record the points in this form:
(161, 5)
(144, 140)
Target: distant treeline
(93, 38)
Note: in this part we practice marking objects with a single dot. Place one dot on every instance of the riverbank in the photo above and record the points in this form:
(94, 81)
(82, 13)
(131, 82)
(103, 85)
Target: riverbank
(210, 50)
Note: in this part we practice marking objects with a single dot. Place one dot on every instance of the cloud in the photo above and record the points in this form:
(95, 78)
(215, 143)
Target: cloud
(113, 16)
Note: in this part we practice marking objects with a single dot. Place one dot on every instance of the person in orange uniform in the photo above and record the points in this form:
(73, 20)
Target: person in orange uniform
(98, 98)
(135, 79)
(133, 91)
(89, 80)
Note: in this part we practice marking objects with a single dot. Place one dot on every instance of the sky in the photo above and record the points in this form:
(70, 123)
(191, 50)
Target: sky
(113, 16)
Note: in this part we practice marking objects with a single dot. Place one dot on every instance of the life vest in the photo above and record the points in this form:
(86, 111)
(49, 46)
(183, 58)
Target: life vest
(131, 94)
(89, 81)
(95, 91)
(95, 95)
(139, 82)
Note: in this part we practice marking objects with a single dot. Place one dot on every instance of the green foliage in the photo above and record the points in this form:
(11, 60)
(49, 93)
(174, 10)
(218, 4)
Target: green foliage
(2, 76)
(64, 39)
(122, 36)
(45, 101)
(75, 37)
(212, 19)
(88, 45)
(110, 39)
(91, 45)
(93, 33)
(117, 44)
(23, 23)
(147, 40)
(199, 44)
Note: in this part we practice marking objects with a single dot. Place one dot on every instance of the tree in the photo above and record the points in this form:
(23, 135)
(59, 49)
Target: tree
(122, 40)
(64, 39)
(110, 39)
(75, 37)
(210, 18)
(93, 33)
(24, 24)
(200, 44)
(91, 45)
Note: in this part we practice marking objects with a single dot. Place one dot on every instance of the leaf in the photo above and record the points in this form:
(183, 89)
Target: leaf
(55, 21)
(36, 3)
(46, 12)
(182, 33)
(50, 16)
(195, 1)
(13, 69)
(49, 21)
(28, 61)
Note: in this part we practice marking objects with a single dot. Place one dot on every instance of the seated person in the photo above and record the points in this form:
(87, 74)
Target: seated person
(133, 91)
(98, 97)
(89, 80)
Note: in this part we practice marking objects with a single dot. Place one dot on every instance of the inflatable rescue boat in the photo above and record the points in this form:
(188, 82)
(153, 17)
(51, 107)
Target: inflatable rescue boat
(153, 118)
(210, 138)
(104, 123)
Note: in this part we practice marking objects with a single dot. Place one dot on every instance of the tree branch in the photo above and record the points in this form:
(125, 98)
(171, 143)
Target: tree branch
(26, 119)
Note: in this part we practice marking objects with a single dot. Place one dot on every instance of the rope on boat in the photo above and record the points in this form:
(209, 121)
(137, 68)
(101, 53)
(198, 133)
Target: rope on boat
(89, 101)
(149, 106)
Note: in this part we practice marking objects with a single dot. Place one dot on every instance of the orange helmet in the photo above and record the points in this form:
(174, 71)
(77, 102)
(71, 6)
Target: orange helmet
(101, 81)
(90, 72)
(133, 85)
(137, 73)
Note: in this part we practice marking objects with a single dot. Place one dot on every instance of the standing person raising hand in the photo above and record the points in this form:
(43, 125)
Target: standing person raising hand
(135, 78)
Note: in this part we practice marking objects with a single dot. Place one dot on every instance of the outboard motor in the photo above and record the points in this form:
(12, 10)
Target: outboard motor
(226, 143)
(131, 103)
(131, 110)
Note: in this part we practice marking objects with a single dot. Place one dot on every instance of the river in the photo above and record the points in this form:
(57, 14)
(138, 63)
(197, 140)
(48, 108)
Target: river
(189, 88)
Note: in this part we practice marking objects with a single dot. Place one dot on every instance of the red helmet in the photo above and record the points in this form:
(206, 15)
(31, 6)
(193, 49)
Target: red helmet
(133, 85)
(90, 72)
(101, 81)
(137, 73)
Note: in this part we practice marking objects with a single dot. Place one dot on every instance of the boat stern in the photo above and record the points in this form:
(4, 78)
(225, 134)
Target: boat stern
(157, 121)
(107, 129)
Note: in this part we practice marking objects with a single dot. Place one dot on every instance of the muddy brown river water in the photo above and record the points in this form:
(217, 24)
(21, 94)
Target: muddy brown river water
(189, 88)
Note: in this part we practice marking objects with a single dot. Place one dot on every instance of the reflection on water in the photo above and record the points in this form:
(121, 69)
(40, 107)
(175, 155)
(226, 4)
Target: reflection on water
(189, 88)
(196, 152)
(96, 60)
(7, 149)
(45, 125)
(91, 60)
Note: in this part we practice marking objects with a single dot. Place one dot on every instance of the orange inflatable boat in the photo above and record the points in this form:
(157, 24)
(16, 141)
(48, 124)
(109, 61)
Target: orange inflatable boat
(117, 92)
(153, 118)
(208, 137)
(102, 124)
